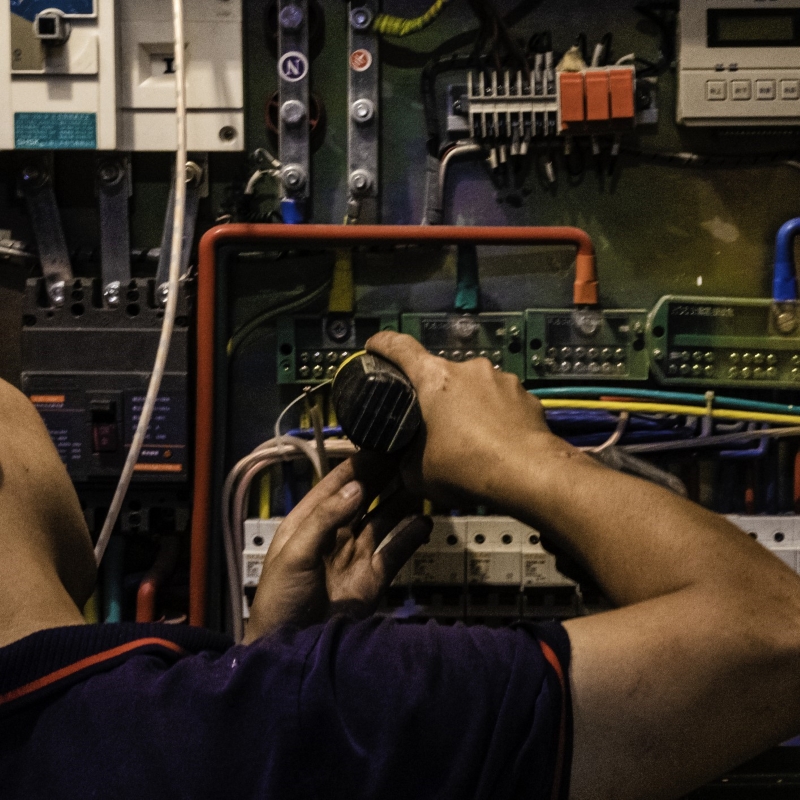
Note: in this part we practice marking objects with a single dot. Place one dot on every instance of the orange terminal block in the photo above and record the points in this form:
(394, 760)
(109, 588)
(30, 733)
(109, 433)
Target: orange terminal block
(598, 107)
(571, 98)
(621, 81)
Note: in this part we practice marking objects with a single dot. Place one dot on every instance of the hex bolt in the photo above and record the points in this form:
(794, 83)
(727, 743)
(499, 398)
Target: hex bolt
(291, 18)
(362, 111)
(57, 292)
(293, 112)
(293, 177)
(111, 294)
(360, 182)
(360, 19)
(194, 173)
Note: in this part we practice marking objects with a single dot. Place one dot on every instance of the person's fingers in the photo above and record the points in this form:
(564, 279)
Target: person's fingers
(307, 545)
(325, 489)
(402, 350)
(400, 546)
(385, 518)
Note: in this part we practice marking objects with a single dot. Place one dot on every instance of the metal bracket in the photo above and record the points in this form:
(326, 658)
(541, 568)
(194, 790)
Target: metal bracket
(36, 187)
(293, 132)
(196, 177)
(363, 124)
(114, 190)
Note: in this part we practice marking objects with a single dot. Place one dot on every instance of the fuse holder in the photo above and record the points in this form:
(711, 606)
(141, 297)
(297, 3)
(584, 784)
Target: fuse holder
(622, 90)
(571, 97)
(598, 107)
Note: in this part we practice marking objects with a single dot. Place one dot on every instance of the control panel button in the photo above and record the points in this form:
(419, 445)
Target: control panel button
(765, 90)
(741, 90)
(105, 437)
(716, 90)
(790, 90)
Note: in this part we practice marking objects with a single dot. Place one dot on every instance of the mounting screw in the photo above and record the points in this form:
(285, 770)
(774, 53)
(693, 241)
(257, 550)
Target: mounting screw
(291, 18)
(162, 294)
(227, 133)
(360, 181)
(110, 173)
(658, 355)
(786, 321)
(293, 112)
(360, 19)
(362, 111)
(293, 177)
(34, 176)
(57, 292)
(111, 294)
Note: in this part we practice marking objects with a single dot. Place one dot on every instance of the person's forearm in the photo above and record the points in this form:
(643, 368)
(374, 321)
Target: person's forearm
(638, 540)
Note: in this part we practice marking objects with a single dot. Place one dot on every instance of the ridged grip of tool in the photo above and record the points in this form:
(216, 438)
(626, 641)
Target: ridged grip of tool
(375, 404)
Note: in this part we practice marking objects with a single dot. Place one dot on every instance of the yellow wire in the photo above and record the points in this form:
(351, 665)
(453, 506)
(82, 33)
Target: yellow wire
(387, 25)
(663, 408)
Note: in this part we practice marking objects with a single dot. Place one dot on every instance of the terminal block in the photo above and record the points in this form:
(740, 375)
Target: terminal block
(509, 111)
(310, 348)
(578, 344)
(598, 100)
(720, 341)
(500, 337)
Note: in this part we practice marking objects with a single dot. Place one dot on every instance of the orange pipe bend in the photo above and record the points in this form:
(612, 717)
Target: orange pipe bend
(585, 292)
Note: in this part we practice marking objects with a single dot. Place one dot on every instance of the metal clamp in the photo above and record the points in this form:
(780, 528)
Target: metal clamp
(114, 190)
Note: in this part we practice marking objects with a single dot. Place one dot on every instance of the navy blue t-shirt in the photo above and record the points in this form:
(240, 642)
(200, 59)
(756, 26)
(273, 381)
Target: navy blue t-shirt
(377, 709)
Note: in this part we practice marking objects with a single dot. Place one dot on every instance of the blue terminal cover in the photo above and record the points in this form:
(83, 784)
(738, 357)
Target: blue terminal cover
(28, 9)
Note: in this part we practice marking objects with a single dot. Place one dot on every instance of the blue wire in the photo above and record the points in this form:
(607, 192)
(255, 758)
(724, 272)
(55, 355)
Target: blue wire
(666, 397)
(784, 277)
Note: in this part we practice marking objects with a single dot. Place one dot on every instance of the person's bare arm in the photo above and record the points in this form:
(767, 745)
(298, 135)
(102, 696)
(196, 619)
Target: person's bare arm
(699, 668)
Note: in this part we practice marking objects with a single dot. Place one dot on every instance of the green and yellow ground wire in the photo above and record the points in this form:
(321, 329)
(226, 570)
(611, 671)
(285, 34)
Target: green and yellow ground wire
(387, 25)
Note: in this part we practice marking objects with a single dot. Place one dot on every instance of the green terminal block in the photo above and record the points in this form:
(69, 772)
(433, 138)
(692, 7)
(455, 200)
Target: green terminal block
(500, 337)
(586, 344)
(725, 341)
(310, 348)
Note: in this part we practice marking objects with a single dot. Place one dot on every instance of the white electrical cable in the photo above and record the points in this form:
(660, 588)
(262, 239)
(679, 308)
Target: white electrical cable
(168, 324)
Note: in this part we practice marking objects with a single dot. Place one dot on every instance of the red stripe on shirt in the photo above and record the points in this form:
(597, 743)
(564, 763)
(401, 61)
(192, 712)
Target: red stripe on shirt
(552, 660)
(84, 663)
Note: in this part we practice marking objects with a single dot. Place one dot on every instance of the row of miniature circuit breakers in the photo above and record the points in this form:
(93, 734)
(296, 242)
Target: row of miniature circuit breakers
(500, 551)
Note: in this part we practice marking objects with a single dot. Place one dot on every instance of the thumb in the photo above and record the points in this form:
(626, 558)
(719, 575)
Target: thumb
(402, 350)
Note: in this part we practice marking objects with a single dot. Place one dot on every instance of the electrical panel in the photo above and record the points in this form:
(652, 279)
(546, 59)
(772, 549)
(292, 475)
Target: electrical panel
(730, 341)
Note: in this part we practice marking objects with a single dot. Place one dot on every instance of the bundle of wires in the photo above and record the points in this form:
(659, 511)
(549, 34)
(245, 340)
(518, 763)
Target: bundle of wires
(236, 496)
(388, 25)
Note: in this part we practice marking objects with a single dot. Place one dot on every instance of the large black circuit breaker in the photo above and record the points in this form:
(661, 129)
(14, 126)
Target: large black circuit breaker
(86, 367)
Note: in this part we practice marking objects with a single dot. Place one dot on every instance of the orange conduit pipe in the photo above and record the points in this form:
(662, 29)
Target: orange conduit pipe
(585, 292)
(156, 576)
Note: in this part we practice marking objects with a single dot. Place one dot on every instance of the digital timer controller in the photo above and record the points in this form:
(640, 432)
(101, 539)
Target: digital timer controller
(739, 62)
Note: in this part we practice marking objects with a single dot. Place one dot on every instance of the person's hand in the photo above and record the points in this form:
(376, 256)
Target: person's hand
(326, 555)
(473, 416)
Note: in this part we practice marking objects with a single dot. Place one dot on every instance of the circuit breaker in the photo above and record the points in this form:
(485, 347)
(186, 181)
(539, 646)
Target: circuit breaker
(99, 75)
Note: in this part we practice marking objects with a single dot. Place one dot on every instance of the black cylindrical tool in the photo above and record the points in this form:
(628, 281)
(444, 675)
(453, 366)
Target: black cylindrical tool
(375, 403)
